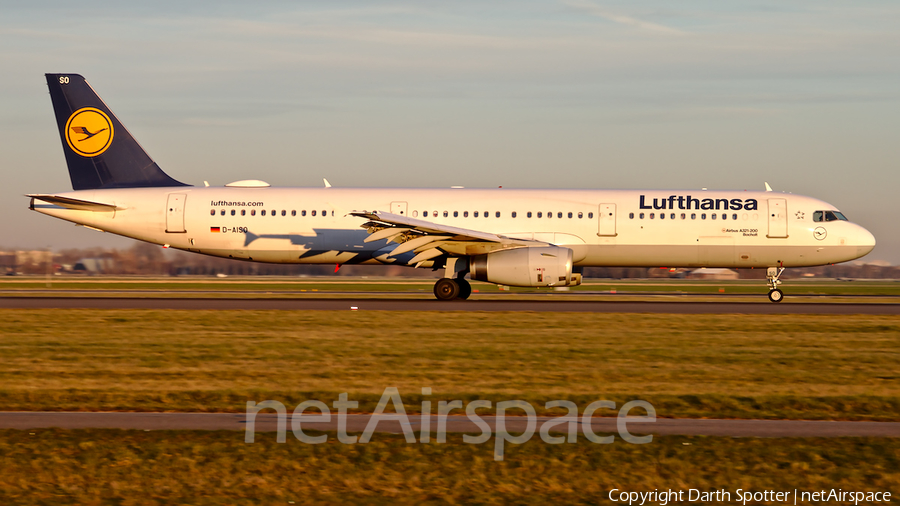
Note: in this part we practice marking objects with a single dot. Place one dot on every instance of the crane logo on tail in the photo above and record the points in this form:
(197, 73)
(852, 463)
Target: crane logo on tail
(89, 132)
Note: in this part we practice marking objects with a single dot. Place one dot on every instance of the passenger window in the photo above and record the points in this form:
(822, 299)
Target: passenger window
(283, 212)
(476, 214)
(590, 216)
(817, 216)
(529, 214)
(550, 214)
(223, 212)
(631, 216)
(683, 216)
(446, 213)
(703, 216)
(713, 216)
(652, 215)
(212, 212)
(662, 216)
(641, 216)
(693, 216)
(559, 215)
(456, 214)
(233, 212)
(513, 214)
(724, 216)
(465, 214)
(303, 212)
(580, 215)
(275, 213)
(253, 212)
(415, 213)
(293, 212)
(243, 212)
(672, 216)
(262, 213)
(486, 214)
(324, 213)
(497, 214)
(734, 216)
(312, 213)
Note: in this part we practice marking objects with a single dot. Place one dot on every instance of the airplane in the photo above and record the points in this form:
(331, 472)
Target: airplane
(512, 237)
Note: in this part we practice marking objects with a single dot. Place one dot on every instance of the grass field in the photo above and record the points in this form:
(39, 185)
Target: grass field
(94, 467)
(753, 366)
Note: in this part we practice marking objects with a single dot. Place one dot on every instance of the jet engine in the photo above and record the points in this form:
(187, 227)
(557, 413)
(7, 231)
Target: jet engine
(528, 266)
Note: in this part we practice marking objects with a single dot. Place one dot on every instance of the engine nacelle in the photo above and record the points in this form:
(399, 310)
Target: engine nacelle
(528, 266)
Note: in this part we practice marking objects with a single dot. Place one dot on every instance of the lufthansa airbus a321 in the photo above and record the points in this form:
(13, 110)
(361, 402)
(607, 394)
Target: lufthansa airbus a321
(528, 238)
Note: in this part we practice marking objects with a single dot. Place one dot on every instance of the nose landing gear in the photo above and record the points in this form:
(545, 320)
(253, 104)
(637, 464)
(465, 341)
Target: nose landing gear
(772, 275)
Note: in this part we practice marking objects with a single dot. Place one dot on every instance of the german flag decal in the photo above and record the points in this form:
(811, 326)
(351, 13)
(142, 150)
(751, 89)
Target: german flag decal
(215, 229)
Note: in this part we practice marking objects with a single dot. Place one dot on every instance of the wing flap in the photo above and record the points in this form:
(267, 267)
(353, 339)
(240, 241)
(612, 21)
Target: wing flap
(416, 243)
(388, 233)
(426, 255)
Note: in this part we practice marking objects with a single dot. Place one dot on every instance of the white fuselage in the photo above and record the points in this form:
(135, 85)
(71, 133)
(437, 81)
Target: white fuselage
(602, 227)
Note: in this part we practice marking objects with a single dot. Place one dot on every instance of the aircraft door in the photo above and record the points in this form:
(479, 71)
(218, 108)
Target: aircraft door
(398, 208)
(175, 213)
(777, 218)
(606, 220)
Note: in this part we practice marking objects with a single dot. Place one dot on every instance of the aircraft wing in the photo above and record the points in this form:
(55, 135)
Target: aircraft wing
(430, 239)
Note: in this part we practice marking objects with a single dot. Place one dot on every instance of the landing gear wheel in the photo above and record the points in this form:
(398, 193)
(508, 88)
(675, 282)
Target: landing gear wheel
(776, 295)
(772, 275)
(465, 289)
(446, 289)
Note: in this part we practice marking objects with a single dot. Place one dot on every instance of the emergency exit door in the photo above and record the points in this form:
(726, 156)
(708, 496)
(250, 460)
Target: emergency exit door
(606, 220)
(777, 218)
(398, 208)
(175, 213)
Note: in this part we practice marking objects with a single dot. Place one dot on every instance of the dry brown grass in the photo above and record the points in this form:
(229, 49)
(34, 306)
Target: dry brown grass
(784, 366)
(99, 467)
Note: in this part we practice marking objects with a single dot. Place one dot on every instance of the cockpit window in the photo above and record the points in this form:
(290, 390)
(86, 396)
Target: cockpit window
(828, 216)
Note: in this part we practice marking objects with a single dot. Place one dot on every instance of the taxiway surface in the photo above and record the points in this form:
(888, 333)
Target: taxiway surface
(398, 304)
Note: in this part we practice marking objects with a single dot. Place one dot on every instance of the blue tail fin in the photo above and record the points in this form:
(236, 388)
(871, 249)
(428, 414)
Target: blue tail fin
(99, 151)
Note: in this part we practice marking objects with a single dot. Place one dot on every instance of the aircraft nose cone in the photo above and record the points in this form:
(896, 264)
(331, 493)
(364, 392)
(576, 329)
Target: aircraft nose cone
(865, 242)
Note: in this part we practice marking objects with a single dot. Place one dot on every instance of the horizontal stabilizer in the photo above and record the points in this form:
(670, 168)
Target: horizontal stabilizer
(78, 204)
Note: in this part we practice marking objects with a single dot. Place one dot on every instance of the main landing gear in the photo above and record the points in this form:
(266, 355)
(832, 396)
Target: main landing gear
(772, 275)
(450, 289)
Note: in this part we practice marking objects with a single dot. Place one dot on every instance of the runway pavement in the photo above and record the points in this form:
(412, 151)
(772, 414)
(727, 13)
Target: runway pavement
(267, 422)
(397, 304)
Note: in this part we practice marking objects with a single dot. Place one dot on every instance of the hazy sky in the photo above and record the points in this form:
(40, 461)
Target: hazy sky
(558, 94)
